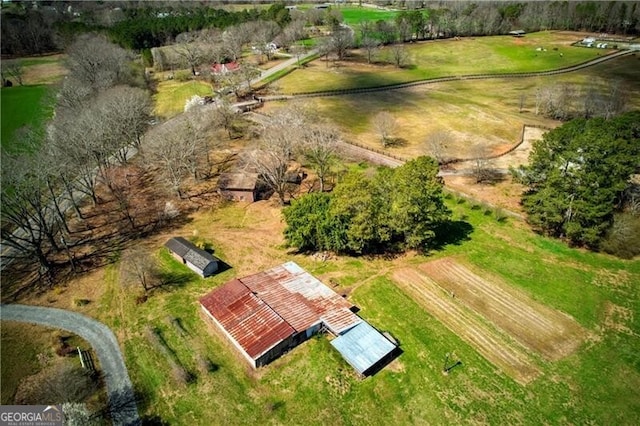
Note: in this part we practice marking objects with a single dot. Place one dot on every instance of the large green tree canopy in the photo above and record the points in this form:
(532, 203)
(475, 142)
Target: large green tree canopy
(392, 210)
(577, 175)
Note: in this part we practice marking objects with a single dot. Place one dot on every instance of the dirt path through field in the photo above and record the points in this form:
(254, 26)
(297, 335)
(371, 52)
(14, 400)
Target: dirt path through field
(509, 356)
(547, 331)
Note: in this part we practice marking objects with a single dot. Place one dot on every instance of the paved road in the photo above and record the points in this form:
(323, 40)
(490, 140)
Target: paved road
(289, 62)
(119, 388)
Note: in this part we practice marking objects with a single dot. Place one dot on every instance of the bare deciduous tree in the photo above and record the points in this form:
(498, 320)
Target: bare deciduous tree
(98, 63)
(341, 40)
(481, 170)
(385, 124)
(29, 223)
(319, 147)
(399, 55)
(191, 49)
(436, 144)
(264, 34)
(139, 267)
(370, 45)
(280, 138)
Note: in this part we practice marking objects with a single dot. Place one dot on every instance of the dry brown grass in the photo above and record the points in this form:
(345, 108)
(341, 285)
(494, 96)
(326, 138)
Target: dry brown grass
(51, 70)
(551, 333)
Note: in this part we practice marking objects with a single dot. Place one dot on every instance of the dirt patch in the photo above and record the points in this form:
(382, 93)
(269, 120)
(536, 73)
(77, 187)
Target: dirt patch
(617, 317)
(505, 194)
(549, 332)
(488, 341)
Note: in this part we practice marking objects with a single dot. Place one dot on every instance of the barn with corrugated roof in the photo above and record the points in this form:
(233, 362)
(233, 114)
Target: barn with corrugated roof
(266, 314)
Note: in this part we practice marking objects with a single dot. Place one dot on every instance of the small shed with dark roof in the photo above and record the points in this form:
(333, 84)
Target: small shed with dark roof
(238, 186)
(198, 260)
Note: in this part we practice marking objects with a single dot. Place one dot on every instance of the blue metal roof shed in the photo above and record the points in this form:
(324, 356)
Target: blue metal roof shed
(363, 347)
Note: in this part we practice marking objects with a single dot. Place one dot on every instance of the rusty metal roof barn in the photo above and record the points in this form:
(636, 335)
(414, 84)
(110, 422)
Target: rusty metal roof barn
(268, 313)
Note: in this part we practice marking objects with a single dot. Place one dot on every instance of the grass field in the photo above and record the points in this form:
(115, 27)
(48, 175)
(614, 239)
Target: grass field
(314, 385)
(172, 95)
(357, 15)
(21, 106)
(471, 55)
(481, 113)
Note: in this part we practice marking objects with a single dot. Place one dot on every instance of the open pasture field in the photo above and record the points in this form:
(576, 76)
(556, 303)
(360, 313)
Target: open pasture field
(357, 15)
(442, 58)
(313, 384)
(479, 115)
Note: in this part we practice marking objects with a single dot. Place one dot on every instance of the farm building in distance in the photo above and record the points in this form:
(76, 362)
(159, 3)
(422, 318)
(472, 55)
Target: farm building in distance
(238, 186)
(266, 314)
(198, 260)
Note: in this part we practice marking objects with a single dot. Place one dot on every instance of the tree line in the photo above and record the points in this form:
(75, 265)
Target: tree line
(27, 29)
(99, 117)
(579, 184)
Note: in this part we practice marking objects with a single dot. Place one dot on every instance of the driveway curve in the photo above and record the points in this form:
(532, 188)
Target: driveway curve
(119, 388)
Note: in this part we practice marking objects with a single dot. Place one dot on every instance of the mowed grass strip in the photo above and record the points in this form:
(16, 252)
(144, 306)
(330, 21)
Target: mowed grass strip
(546, 331)
(540, 51)
(496, 348)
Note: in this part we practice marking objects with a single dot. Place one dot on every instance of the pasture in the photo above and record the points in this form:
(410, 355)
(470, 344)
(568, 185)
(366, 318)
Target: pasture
(594, 381)
(442, 58)
(479, 114)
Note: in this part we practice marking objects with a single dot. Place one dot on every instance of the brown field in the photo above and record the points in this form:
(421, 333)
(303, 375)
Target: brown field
(497, 348)
(546, 331)
(51, 70)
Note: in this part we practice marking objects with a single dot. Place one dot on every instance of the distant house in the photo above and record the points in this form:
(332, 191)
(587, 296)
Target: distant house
(517, 33)
(198, 260)
(221, 69)
(266, 314)
(238, 186)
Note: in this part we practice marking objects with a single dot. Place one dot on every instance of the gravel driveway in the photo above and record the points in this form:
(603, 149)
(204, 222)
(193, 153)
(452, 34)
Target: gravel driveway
(119, 388)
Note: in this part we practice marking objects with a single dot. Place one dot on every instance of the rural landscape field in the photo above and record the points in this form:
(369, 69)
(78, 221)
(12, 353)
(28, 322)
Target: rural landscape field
(498, 320)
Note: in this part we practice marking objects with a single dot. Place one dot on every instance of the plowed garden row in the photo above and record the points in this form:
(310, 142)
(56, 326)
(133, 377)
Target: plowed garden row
(505, 326)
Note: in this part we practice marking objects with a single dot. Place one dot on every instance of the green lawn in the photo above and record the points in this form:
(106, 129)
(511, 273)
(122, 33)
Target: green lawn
(172, 96)
(21, 106)
(357, 15)
(471, 55)
(313, 385)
